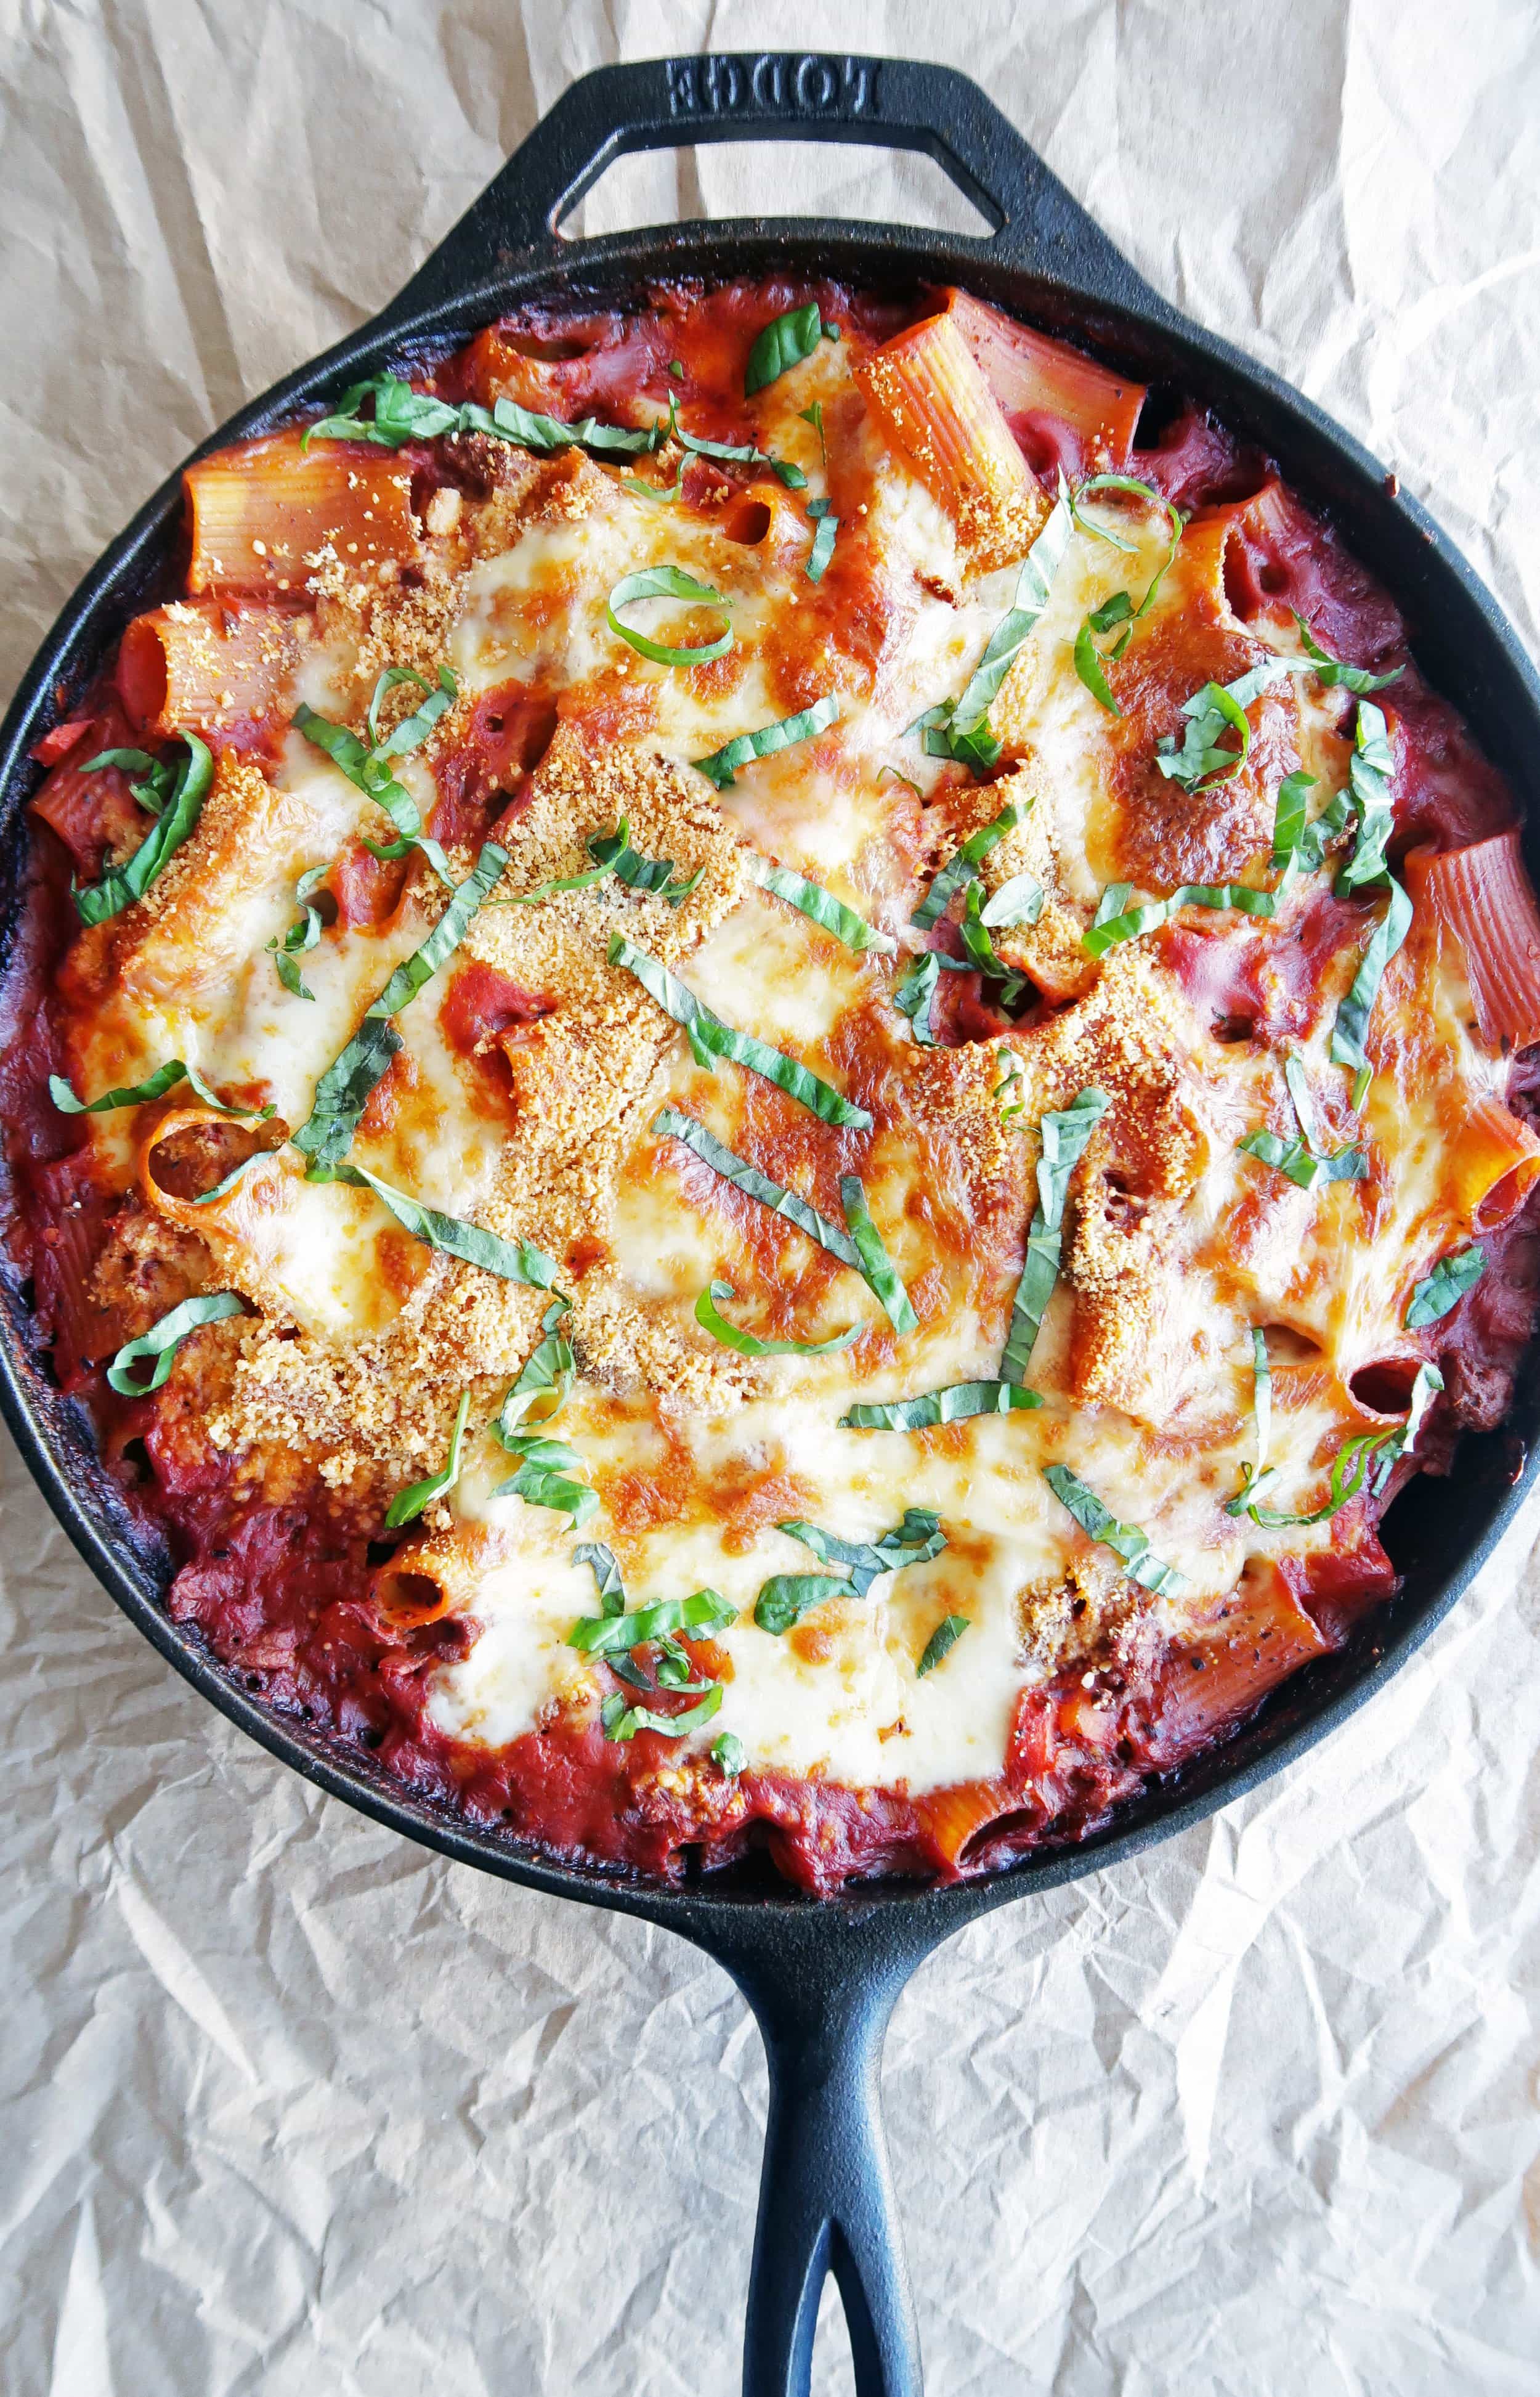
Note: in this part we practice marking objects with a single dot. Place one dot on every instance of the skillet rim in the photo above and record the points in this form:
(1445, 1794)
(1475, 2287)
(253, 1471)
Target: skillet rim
(51, 1433)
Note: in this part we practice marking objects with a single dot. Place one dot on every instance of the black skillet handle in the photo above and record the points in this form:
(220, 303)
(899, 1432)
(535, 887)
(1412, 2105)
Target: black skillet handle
(823, 1991)
(777, 95)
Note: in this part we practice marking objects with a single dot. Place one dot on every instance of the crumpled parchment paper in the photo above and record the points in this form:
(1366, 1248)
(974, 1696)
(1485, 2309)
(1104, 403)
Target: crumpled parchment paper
(294, 2107)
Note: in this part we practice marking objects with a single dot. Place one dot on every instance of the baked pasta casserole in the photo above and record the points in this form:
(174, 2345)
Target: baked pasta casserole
(765, 1070)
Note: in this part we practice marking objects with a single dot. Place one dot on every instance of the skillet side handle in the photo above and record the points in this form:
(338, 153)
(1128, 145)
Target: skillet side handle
(774, 95)
(826, 2192)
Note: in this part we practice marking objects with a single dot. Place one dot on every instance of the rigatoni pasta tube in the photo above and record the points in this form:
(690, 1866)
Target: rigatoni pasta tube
(1029, 374)
(936, 408)
(204, 666)
(1494, 1164)
(1482, 895)
(264, 515)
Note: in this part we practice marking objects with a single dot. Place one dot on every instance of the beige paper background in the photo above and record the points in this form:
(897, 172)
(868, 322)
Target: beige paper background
(292, 2107)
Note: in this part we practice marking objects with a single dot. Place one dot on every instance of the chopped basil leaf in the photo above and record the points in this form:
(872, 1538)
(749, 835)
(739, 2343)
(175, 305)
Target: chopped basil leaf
(1256, 1475)
(159, 771)
(600, 1635)
(755, 1184)
(749, 1343)
(1089, 666)
(546, 434)
(1367, 1461)
(978, 749)
(408, 1505)
(1108, 930)
(1301, 1159)
(223, 1187)
(1119, 610)
(1300, 848)
(553, 889)
(1262, 1395)
(913, 1542)
(674, 1668)
(723, 764)
(401, 414)
(446, 935)
(606, 1573)
(961, 728)
(302, 934)
(1143, 490)
(814, 416)
(369, 771)
(655, 875)
(545, 1479)
(165, 1338)
(348, 1083)
(729, 1755)
(943, 1639)
(1125, 1540)
(1351, 1029)
(1369, 781)
(1018, 901)
(876, 1267)
(965, 865)
(662, 493)
(413, 729)
(825, 532)
(1299, 1089)
(629, 1671)
(1064, 1137)
(1007, 1091)
(626, 1725)
(1395, 1444)
(182, 804)
(1289, 816)
(820, 906)
(915, 989)
(546, 1464)
(510, 1260)
(981, 949)
(954, 1404)
(785, 1598)
(343, 1093)
(742, 453)
(1445, 1287)
(1331, 671)
(1200, 763)
(1034, 586)
(709, 1033)
(544, 1383)
(1293, 1159)
(783, 343)
(288, 970)
(665, 583)
(138, 1094)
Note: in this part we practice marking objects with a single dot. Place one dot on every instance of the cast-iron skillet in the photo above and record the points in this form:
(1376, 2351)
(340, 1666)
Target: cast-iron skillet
(821, 1978)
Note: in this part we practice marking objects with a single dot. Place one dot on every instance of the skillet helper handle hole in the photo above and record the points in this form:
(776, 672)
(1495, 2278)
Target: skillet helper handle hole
(826, 2198)
(766, 95)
